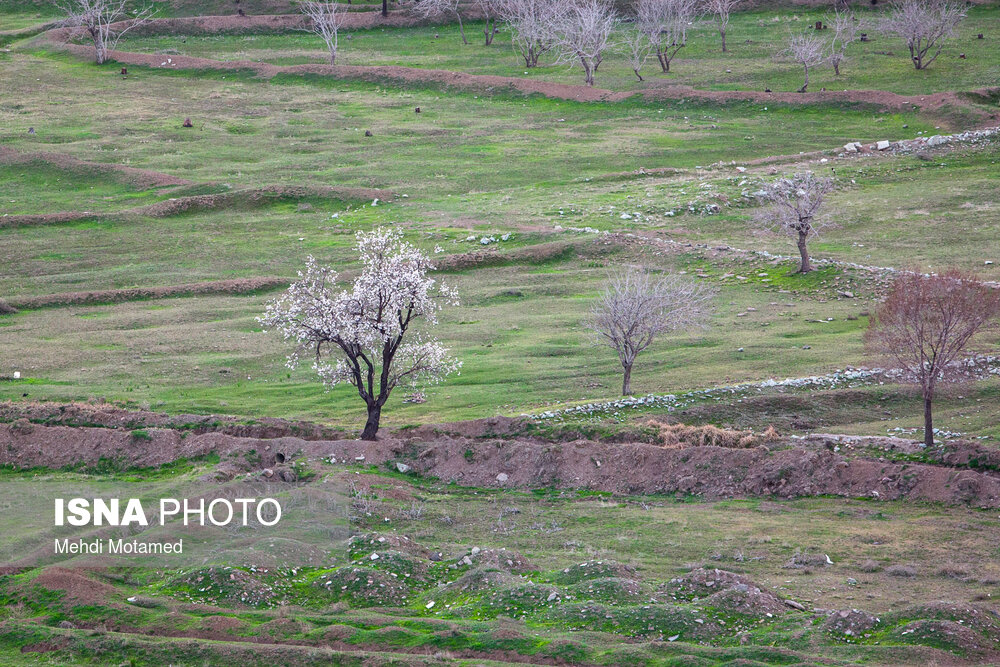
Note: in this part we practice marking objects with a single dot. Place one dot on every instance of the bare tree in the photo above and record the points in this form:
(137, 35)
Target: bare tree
(720, 10)
(106, 21)
(808, 51)
(793, 208)
(637, 307)
(364, 329)
(845, 33)
(925, 326)
(925, 25)
(582, 33)
(490, 11)
(325, 19)
(636, 47)
(435, 9)
(665, 23)
(530, 23)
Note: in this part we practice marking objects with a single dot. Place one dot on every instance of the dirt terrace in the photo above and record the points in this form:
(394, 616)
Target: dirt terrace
(480, 454)
(478, 82)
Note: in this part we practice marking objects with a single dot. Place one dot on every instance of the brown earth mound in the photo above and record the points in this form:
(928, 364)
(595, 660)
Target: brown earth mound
(235, 286)
(142, 179)
(244, 199)
(109, 416)
(626, 468)
(77, 588)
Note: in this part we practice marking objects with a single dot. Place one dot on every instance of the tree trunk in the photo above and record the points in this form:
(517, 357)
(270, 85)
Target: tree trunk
(461, 28)
(806, 84)
(385, 7)
(805, 266)
(489, 31)
(836, 67)
(722, 31)
(639, 76)
(928, 422)
(627, 381)
(371, 426)
(664, 63)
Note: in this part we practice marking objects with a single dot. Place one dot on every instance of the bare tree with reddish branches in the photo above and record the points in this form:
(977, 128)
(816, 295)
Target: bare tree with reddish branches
(794, 206)
(720, 10)
(324, 19)
(636, 307)
(106, 21)
(925, 25)
(925, 327)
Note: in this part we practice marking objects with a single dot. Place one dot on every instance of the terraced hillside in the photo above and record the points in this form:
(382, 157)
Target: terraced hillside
(520, 512)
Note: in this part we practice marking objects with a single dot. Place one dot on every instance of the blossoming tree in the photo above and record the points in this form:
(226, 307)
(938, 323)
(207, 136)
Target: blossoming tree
(362, 335)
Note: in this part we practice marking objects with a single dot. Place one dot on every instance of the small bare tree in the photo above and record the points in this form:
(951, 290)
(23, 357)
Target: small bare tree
(435, 9)
(794, 205)
(808, 51)
(530, 23)
(636, 307)
(582, 33)
(665, 23)
(490, 12)
(845, 33)
(925, 326)
(925, 25)
(636, 47)
(324, 19)
(365, 330)
(106, 21)
(720, 10)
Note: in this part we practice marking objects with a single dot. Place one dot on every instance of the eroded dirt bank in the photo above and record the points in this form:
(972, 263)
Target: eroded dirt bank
(479, 454)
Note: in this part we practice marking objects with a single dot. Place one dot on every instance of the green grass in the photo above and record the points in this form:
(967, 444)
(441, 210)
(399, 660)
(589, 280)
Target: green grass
(753, 62)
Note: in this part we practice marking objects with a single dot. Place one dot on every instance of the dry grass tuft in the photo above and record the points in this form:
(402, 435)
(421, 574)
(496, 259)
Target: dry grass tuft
(679, 436)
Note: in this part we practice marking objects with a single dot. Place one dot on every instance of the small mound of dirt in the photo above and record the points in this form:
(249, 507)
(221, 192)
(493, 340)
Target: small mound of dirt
(369, 542)
(222, 626)
(213, 584)
(77, 588)
(947, 635)
(611, 590)
(6, 308)
(374, 485)
(852, 623)
(802, 560)
(594, 569)
(497, 559)
(705, 582)
(364, 586)
(282, 629)
(746, 600)
(984, 620)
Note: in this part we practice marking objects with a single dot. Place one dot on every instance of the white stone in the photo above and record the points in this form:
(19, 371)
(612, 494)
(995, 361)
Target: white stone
(851, 147)
(402, 467)
(502, 477)
(883, 145)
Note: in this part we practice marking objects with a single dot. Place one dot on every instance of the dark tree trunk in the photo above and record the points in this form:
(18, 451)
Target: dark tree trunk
(664, 63)
(385, 7)
(639, 76)
(928, 422)
(371, 426)
(806, 84)
(805, 266)
(723, 33)
(627, 381)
